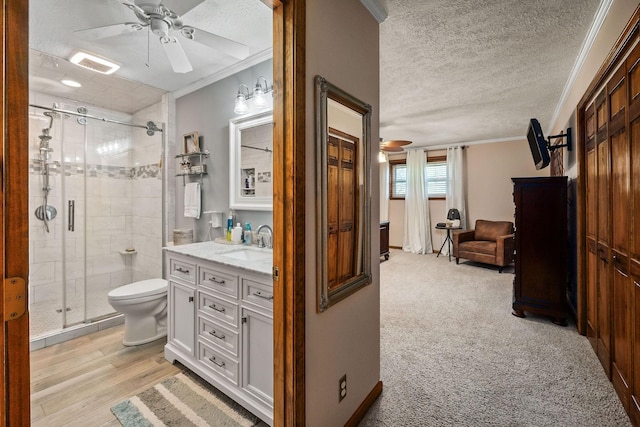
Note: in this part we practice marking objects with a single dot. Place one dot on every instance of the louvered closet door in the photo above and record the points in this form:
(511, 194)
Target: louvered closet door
(633, 82)
(591, 226)
(603, 287)
(622, 290)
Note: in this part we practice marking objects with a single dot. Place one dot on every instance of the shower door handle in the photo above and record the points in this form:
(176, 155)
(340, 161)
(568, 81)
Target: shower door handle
(72, 215)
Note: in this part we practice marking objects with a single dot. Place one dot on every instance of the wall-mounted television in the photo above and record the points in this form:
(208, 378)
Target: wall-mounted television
(538, 145)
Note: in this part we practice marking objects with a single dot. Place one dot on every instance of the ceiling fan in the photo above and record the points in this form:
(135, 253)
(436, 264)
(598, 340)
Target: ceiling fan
(166, 24)
(393, 146)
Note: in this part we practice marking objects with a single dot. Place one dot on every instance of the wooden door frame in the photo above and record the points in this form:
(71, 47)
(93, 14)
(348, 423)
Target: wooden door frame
(289, 82)
(289, 208)
(15, 204)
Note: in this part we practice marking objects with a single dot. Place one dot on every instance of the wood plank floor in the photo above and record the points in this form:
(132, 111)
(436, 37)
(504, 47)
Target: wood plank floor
(76, 382)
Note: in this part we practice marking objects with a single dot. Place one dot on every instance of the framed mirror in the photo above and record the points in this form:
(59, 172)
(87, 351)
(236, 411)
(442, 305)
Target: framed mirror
(251, 162)
(343, 193)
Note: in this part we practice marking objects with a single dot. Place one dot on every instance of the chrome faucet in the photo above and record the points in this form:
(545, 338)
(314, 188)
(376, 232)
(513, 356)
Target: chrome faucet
(261, 238)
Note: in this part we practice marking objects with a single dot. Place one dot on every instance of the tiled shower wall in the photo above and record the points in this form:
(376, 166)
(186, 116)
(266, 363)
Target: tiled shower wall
(123, 204)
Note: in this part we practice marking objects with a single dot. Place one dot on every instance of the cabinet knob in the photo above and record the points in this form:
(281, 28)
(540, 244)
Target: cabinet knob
(190, 299)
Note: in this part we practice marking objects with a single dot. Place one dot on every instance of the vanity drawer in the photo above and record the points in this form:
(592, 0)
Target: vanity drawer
(182, 270)
(257, 293)
(218, 308)
(218, 335)
(226, 366)
(218, 281)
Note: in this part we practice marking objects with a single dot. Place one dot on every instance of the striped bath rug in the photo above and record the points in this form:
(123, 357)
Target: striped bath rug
(182, 401)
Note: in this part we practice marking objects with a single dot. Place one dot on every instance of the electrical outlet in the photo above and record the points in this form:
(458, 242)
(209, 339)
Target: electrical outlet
(342, 388)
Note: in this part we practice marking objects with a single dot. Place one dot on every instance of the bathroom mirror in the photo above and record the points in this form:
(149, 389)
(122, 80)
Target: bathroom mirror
(343, 193)
(251, 162)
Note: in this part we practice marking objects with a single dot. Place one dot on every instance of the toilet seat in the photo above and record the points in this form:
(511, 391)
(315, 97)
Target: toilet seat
(143, 288)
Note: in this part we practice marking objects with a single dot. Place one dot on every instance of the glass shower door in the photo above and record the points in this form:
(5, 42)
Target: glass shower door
(72, 224)
(107, 214)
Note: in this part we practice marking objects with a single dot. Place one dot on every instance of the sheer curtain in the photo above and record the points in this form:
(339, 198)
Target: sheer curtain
(455, 183)
(384, 187)
(417, 227)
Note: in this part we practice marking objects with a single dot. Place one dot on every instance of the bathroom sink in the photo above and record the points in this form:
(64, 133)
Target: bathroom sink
(248, 255)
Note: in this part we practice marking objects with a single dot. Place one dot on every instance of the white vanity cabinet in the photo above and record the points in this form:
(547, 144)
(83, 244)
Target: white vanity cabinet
(182, 291)
(221, 327)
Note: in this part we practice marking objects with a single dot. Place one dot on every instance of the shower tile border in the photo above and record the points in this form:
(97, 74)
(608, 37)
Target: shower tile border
(97, 171)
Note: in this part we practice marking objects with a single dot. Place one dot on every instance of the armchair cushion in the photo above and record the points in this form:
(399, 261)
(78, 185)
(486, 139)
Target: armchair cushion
(490, 230)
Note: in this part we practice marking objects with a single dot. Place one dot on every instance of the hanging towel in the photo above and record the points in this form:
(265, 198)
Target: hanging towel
(192, 200)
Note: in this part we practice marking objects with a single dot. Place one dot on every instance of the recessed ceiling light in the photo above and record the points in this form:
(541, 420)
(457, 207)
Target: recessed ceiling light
(93, 63)
(71, 83)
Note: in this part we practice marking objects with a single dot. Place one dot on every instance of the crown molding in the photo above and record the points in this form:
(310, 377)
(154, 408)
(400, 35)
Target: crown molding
(229, 71)
(587, 44)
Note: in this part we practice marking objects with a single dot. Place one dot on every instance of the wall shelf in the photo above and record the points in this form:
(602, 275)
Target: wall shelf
(192, 164)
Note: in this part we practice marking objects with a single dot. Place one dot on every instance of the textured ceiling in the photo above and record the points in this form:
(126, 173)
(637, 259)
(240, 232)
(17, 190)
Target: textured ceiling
(451, 71)
(474, 70)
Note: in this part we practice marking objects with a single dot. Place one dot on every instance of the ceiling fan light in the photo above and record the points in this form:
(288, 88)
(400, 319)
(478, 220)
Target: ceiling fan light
(93, 63)
(241, 106)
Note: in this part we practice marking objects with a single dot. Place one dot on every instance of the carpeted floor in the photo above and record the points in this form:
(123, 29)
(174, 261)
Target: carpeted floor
(453, 355)
(183, 400)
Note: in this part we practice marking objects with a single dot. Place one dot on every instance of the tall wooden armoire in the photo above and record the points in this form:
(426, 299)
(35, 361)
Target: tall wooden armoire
(540, 284)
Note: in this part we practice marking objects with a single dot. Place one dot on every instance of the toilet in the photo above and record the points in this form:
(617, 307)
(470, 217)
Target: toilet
(144, 305)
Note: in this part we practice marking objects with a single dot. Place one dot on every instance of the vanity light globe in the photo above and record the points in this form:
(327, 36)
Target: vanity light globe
(258, 97)
(241, 106)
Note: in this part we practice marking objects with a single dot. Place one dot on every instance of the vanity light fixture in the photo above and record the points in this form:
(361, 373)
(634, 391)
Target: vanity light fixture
(70, 83)
(259, 99)
(93, 63)
(259, 93)
(241, 106)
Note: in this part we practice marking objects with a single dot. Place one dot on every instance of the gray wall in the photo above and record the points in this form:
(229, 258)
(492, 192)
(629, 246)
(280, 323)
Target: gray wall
(208, 112)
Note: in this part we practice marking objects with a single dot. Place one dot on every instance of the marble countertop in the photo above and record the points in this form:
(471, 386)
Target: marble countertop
(251, 258)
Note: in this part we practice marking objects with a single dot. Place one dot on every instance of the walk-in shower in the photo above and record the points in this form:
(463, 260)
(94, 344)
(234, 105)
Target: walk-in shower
(95, 194)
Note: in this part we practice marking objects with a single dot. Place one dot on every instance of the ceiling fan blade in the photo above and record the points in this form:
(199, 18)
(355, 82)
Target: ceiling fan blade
(226, 46)
(180, 7)
(396, 143)
(98, 33)
(176, 55)
(390, 149)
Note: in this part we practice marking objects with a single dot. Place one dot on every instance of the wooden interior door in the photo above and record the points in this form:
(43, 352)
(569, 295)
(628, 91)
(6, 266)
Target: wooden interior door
(622, 291)
(342, 196)
(633, 83)
(591, 228)
(610, 258)
(603, 227)
(15, 388)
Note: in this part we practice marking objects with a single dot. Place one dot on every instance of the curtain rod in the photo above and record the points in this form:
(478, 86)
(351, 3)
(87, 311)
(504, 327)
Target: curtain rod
(150, 126)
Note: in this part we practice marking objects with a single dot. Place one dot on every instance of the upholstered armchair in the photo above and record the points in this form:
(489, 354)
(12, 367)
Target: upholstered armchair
(490, 242)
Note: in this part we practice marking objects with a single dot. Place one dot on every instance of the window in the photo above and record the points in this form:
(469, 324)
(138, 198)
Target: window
(435, 171)
(437, 178)
(398, 179)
